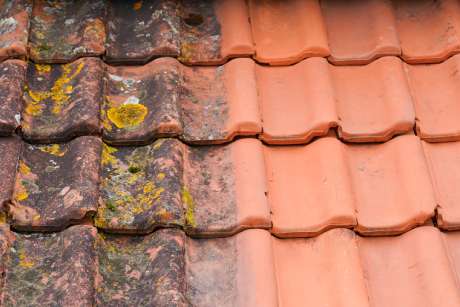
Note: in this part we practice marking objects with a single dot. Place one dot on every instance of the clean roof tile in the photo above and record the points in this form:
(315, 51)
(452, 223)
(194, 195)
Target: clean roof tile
(373, 101)
(410, 270)
(56, 185)
(62, 31)
(309, 188)
(428, 30)
(14, 28)
(286, 32)
(62, 101)
(360, 31)
(391, 185)
(444, 163)
(12, 75)
(436, 94)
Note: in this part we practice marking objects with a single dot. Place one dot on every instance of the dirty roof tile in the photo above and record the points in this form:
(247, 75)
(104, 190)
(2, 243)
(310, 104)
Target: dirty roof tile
(373, 101)
(62, 101)
(14, 28)
(391, 184)
(62, 31)
(56, 185)
(286, 32)
(233, 271)
(435, 91)
(413, 269)
(309, 188)
(50, 269)
(141, 102)
(196, 32)
(360, 31)
(297, 102)
(141, 271)
(208, 190)
(308, 271)
(9, 153)
(141, 187)
(12, 75)
(141, 30)
(428, 30)
(444, 161)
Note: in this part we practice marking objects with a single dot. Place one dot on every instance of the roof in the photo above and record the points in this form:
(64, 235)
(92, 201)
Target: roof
(229, 153)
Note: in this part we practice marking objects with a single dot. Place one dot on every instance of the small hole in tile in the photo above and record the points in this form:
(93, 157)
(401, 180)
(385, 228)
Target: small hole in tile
(193, 20)
(134, 169)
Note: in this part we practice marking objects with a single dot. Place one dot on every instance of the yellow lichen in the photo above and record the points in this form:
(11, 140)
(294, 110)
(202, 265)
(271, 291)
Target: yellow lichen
(23, 168)
(161, 176)
(23, 261)
(186, 52)
(54, 150)
(107, 157)
(137, 5)
(59, 92)
(190, 207)
(127, 115)
(43, 68)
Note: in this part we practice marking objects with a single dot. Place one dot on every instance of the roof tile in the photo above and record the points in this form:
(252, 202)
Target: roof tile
(359, 32)
(428, 30)
(63, 31)
(435, 92)
(287, 32)
(62, 101)
(9, 151)
(12, 74)
(444, 161)
(376, 188)
(43, 269)
(56, 185)
(14, 28)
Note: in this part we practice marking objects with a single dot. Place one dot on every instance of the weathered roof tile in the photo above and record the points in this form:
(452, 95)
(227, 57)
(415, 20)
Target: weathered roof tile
(14, 28)
(9, 153)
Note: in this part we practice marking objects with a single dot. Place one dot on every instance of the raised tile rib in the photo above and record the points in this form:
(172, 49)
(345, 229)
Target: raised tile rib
(378, 189)
(309, 271)
(63, 31)
(62, 101)
(411, 270)
(56, 185)
(209, 191)
(373, 101)
(392, 186)
(428, 30)
(14, 28)
(286, 32)
(309, 188)
(370, 103)
(360, 31)
(444, 161)
(436, 94)
(10, 149)
(12, 75)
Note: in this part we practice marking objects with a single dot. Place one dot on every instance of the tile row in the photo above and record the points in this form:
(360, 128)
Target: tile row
(282, 105)
(210, 32)
(81, 267)
(295, 191)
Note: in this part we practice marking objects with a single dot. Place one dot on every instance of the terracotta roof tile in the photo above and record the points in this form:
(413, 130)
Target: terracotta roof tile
(378, 189)
(12, 74)
(359, 32)
(443, 160)
(62, 101)
(56, 185)
(9, 153)
(434, 88)
(14, 28)
(66, 30)
(288, 31)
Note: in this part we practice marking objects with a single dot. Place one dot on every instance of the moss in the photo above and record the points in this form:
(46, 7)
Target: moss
(190, 207)
(110, 205)
(127, 115)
